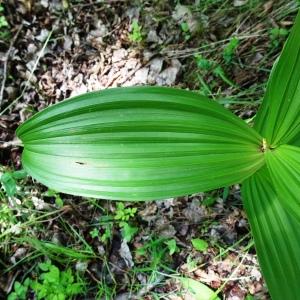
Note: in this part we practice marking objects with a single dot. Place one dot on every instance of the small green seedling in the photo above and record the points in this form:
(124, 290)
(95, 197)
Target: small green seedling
(107, 234)
(4, 26)
(219, 72)
(186, 30)
(124, 214)
(3, 22)
(203, 63)
(199, 245)
(9, 181)
(278, 35)
(136, 32)
(94, 233)
(230, 49)
(58, 200)
(210, 66)
(172, 246)
(20, 290)
(121, 218)
(128, 231)
(104, 232)
(52, 283)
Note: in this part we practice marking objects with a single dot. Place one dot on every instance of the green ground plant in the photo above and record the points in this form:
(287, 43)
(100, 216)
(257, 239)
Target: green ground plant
(136, 35)
(230, 49)
(211, 67)
(277, 34)
(9, 181)
(121, 219)
(124, 214)
(149, 143)
(185, 30)
(199, 244)
(4, 26)
(58, 201)
(20, 290)
(51, 284)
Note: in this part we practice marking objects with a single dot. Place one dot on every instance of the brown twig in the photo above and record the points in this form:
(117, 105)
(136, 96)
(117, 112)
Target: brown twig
(6, 57)
(30, 75)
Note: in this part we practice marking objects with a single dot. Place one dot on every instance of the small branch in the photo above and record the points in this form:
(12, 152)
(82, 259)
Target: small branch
(30, 75)
(6, 58)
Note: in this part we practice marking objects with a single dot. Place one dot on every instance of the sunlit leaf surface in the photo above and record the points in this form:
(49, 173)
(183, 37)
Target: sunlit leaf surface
(279, 117)
(139, 143)
(284, 166)
(276, 234)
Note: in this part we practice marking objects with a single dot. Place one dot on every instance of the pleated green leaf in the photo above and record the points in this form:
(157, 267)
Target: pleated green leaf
(276, 235)
(284, 166)
(138, 143)
(278, 119)
(296, 141)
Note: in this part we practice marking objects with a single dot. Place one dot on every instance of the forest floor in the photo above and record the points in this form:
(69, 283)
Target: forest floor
(56, 246)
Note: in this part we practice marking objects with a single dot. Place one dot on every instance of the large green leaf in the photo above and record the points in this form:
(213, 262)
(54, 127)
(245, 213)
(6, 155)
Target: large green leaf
(276, 234)
(139, 143)
(284, 166)
(278, 119)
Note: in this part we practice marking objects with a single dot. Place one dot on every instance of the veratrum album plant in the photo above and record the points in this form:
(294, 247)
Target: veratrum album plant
(149, 143)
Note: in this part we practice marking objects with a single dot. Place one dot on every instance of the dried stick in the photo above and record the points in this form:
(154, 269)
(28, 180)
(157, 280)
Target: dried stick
(30, 75)
(6, 57)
